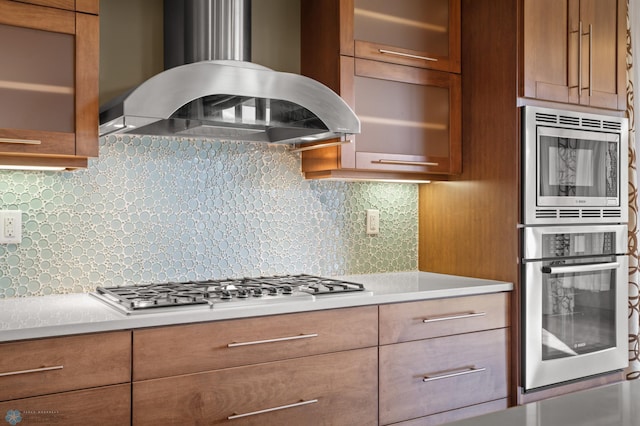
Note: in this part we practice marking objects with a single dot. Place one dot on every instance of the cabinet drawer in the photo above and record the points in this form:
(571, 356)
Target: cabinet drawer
(39, 367)
(435, 375)
(330, 389)
(109, 405)
(192, 348)
(459, 414)
(401, 322)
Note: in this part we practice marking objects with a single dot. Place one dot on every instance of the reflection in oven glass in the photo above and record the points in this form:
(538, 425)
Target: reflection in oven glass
(578, 314)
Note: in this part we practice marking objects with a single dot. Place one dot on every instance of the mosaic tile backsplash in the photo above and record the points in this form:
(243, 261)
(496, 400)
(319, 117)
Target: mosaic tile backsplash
(153, 209)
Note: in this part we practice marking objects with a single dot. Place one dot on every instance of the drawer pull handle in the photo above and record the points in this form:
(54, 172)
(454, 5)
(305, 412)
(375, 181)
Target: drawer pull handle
(407, 163)
(455, 374)
(22, 141)
(268, 410)
(33, 370)
(454, 317)
(407, 55)
(279, 339)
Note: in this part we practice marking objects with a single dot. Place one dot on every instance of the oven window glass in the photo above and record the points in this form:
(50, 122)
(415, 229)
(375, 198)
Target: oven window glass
(578, 308)
(571, 167)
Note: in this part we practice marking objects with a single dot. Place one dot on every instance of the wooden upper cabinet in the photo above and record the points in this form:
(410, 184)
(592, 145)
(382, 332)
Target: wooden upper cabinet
(575, 52)
(48, 84)
(419, 33)
(59, 4)
(397, 65)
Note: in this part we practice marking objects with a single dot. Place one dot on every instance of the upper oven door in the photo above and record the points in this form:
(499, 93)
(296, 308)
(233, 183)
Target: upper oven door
(573, 168)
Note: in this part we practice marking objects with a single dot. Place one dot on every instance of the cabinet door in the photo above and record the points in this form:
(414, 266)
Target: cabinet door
(603, 82)
(435, 375)
(410, 118)
(60, 4)
(547, 48)
(574, 52)
(192, 348)
(109, 405)
(422, 33)
(402, 322)
(38, 367)
(48, 83)
(334, 389)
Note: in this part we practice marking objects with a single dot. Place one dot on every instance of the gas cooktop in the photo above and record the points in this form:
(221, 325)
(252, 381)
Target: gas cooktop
(236, 292)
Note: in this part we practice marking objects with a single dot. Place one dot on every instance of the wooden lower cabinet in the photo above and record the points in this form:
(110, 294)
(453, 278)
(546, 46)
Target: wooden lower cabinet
(459, 414)
(192, 348)
(402, 322)
(45, 366)
(333, 389)
(430, 376)
(105, 406)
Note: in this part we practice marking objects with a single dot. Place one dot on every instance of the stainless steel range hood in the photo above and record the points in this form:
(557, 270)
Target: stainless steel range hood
(218, 93)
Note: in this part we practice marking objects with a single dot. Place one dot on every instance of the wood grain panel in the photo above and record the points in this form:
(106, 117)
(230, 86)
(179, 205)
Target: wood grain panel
(37, 17)
(200, 347)
(53, 143)
(88, 6)
(320, 41)
(86, 361)
(401, 322)
(66, 162)
(59, 4)
(459, 414)
(106, 406)
(468, 226)
(344, 385)
(403, 393)
(87, 76)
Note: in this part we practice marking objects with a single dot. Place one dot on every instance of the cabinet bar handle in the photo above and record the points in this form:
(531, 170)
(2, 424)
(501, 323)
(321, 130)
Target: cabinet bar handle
(33, 370)
(319, 146)
(407, 55)
(454, 317)
(268, 410)
(580, 59)
(456, 374)
(279, 339)
(22, 141)
(590, 60)
(406, 163)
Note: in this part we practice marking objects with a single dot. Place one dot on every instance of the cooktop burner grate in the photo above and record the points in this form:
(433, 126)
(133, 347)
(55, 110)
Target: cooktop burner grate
(257, 290)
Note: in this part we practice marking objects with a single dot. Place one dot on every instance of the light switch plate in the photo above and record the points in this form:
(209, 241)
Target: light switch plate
(10, 226)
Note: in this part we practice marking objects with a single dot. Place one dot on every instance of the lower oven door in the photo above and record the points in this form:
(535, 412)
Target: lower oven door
(574, 318)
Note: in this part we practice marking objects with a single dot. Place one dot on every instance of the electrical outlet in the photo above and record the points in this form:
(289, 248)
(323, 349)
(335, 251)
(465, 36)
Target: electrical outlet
(10, 226)
(373, 222)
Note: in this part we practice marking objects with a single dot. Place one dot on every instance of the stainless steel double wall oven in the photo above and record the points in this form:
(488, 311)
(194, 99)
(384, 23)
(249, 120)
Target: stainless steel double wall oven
(574, 261)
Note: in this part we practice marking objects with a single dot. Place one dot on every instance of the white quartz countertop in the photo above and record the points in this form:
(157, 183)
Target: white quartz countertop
(611, 405)
(58, 315)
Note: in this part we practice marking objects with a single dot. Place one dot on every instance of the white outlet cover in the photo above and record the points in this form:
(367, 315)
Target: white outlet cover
(14, 237)
(373, 222)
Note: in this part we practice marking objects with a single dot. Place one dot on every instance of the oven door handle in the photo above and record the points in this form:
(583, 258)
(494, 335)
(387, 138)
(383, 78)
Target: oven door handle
(579, 268)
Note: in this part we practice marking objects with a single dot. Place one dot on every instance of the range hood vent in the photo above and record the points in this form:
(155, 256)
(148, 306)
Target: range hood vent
(218, 93)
